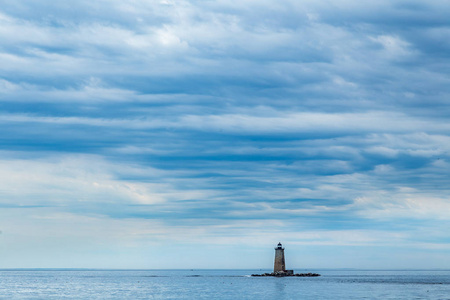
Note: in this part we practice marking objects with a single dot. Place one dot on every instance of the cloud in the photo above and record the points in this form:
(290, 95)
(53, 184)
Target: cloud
(183, 122)
(68, 182)
(405, 202)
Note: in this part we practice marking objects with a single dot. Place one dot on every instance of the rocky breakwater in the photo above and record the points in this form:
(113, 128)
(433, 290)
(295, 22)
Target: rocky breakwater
(286, 274)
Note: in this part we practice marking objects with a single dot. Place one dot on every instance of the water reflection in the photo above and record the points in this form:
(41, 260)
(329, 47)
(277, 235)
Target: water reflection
(280, 287)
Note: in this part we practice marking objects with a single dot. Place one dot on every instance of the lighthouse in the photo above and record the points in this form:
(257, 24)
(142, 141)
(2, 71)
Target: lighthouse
(279, 264)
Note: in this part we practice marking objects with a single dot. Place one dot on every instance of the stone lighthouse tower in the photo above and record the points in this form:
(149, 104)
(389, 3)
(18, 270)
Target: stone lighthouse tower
(279, 264)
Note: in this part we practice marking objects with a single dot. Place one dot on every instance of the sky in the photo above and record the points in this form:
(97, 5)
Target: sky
(199, 134)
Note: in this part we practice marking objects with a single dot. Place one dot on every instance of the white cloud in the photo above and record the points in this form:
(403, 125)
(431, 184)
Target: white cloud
(7, 86)
(68, 181)
(406, 202)
(395, 47)
(376, 121)
(283, 122)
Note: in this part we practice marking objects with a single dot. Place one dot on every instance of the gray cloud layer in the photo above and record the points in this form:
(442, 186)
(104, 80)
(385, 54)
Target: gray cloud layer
(315, 115)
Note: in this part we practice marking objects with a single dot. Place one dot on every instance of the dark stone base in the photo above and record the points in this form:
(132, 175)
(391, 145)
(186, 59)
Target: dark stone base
(286, 274)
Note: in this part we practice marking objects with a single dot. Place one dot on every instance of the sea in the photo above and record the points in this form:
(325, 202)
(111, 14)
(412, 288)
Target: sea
(222, 284)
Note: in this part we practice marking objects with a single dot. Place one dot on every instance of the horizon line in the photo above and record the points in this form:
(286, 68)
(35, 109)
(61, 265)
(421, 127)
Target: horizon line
(217, 269)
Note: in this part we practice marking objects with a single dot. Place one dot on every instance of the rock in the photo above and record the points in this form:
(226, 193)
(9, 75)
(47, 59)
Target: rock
(286, 274)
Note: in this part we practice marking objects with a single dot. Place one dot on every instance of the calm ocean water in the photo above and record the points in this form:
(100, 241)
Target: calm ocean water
(221, 284)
